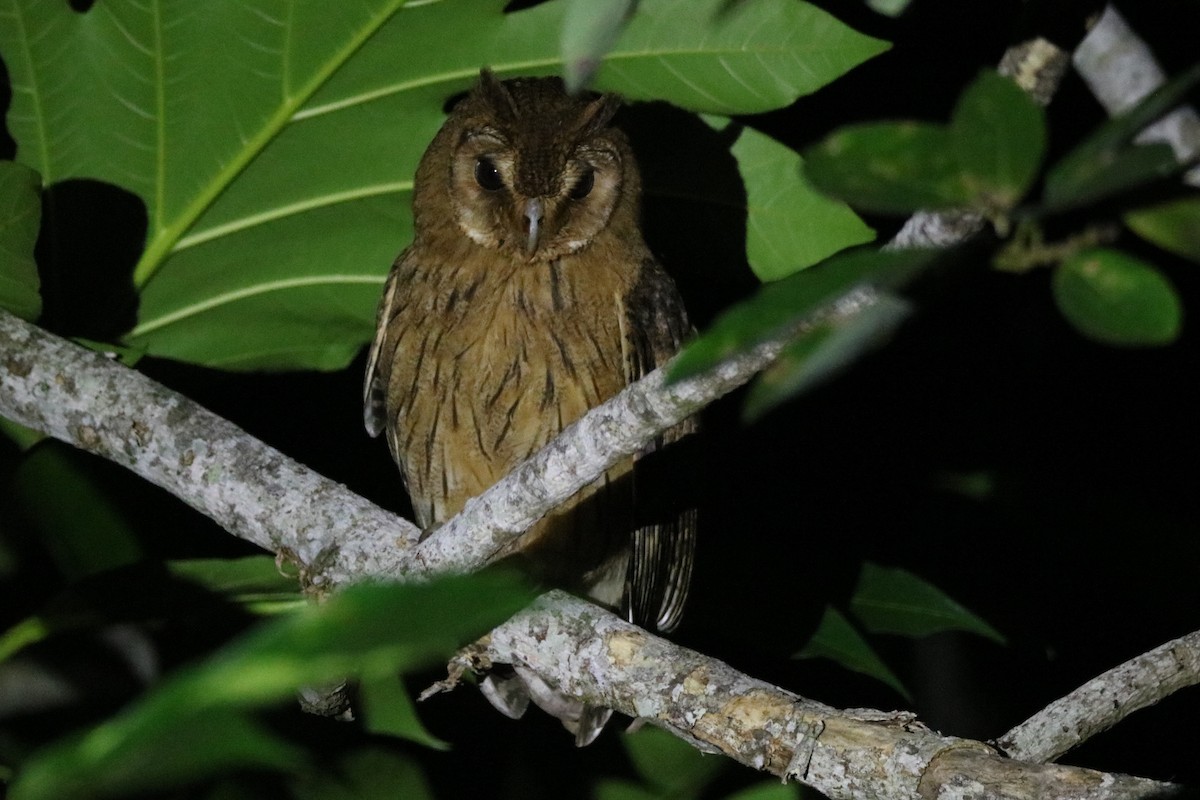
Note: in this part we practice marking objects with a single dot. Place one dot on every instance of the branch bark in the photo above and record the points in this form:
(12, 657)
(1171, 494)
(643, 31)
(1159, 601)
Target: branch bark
(1106, 700)
(856, 753)
(248, 487)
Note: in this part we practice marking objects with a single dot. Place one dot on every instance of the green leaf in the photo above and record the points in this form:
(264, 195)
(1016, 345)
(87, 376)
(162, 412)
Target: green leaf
(20, 215)
(789, 225)
(611, 789)
(590, 29)
(768, 790)
(22, 634)
(818, 354)
(1112, 297)
(999, 137)
(253, 581)
(1122, 128)
(986, 158)
(78, 523)
(837, 640)
(207, 743)
(388, 709)
(24, 438)
(719, 57)
(673, 767)
(1105, 163)
(1105, 173)
(784, 303)
(889, 167)
(371, 774)
(1174, 226)
(892, 600)
(369, 630)
(277, 182)
(356, 632)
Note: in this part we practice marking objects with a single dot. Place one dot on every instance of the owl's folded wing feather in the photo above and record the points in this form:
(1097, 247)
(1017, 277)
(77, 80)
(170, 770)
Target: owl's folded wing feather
(660, 567)
(374, 388)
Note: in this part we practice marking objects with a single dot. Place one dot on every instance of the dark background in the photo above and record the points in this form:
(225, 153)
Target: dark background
(1045, 482)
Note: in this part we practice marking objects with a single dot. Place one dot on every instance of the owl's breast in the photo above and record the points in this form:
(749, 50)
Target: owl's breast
(490, 364)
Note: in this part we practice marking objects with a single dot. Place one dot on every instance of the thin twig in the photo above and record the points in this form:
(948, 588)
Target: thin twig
(1106, 700)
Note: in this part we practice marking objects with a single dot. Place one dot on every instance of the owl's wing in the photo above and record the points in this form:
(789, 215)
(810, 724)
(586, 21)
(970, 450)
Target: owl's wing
(660, 567)
(374, 388)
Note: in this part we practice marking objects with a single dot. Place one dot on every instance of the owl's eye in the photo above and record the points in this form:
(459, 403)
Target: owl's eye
(487, 176)
(584, 185)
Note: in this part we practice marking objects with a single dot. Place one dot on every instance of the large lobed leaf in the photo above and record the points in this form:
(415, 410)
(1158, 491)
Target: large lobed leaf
(274, 144)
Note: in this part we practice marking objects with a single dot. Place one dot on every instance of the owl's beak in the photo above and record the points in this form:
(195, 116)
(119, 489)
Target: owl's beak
(534, 213)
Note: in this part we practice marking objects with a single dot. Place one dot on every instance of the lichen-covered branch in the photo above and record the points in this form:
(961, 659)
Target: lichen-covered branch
(1106, 700)
(249, 488)
(844, 754)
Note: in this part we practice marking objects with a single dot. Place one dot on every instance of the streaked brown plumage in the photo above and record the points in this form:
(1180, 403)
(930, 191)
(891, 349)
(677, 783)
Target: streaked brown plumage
(527, 297)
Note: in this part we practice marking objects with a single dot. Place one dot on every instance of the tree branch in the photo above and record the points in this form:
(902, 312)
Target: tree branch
(1120, 70)
(1106, 700)
(857, 753)
(249, 488)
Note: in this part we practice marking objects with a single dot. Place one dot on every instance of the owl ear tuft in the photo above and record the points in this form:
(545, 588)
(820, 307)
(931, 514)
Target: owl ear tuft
(596, 114)
(492, 91)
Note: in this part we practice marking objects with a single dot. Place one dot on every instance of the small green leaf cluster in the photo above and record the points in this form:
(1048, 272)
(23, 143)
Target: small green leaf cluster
(986, 160)
(889, 600)
(989, 158)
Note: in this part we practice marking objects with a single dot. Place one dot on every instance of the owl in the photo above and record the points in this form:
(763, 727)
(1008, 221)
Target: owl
(527, 297)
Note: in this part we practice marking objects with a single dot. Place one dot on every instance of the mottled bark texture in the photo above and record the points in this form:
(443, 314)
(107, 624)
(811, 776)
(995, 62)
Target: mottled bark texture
(1106, 700)
(856, 753)
(249, 488)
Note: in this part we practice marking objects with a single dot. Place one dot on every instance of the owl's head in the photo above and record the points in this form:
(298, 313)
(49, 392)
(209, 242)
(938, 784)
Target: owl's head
(532, 170)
